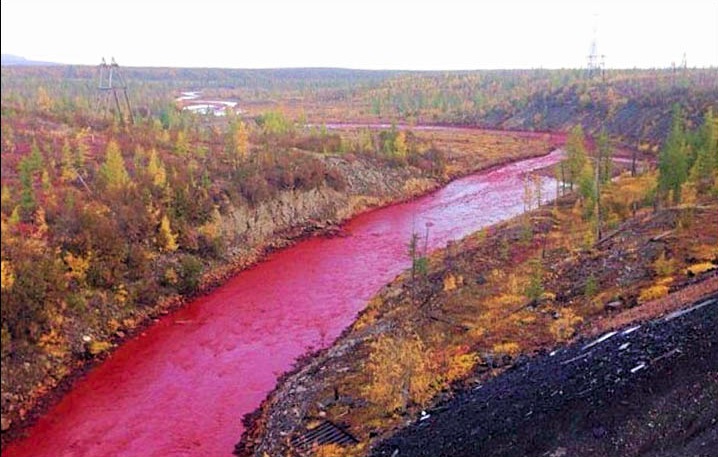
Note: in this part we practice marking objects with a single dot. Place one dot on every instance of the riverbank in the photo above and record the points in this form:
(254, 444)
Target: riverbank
(291, 217)
(498, 296)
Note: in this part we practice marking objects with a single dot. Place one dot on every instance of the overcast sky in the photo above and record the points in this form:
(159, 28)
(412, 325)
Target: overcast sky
(374, 34)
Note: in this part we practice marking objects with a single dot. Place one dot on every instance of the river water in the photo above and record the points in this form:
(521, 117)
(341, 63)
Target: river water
(182, 387)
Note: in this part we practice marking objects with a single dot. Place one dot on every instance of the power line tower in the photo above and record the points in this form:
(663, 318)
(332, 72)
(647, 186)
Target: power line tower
(596, 62)
(111, 82)
(679, 71)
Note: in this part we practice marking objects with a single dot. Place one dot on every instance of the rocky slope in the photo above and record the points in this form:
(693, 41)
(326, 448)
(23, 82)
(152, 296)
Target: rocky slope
(637, 120)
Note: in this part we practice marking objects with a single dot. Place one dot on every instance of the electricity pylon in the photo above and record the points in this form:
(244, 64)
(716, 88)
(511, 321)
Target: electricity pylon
(111, 82)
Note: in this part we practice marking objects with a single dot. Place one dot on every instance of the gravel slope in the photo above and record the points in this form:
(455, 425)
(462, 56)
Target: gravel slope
(643, 391)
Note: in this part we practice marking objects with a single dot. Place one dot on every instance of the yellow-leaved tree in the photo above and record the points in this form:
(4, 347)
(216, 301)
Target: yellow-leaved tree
(400, 147)
(238, 143)
(44, 102)
(7, 275)
(166, 240)
(113, 172)
(399, 372)
(156, 170)
(182, 146)
(67, 165)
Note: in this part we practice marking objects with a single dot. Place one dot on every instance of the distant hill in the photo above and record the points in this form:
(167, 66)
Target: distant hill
(7, 60)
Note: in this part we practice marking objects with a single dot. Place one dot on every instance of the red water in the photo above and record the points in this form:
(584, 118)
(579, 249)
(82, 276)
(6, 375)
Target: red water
(182, 387)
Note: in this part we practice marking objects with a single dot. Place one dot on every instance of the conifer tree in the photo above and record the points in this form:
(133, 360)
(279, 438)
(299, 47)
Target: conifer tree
(166, 239)
(705, 167)
(237, 143)
(400, 147)
(575, 155)
(156, 170)
(182, 144)
(605, 157)
(27, 168)
(67, 168)
(113, 172)
(81, 151)
(673, 160)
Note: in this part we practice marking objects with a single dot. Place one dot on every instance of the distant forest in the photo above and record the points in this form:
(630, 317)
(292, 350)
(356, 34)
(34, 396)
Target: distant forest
(632, 105)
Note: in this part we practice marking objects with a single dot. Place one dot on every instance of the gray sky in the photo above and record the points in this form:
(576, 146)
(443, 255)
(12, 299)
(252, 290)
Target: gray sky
(375, 34)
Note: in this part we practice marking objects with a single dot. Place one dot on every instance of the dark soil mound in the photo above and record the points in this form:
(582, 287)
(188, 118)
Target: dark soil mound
(643, 391)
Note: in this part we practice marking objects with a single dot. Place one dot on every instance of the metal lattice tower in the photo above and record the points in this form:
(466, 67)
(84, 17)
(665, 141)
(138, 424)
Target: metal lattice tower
(111, 82)
(595, 62)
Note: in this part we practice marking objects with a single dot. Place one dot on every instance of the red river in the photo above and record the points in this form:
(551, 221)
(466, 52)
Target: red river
(182, 387)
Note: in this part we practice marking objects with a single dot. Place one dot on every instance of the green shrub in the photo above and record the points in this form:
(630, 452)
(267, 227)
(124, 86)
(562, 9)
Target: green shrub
(591, 287)
(190, 273)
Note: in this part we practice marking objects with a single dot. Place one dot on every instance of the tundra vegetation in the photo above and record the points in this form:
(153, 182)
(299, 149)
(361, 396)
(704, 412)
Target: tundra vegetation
(105, 225)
